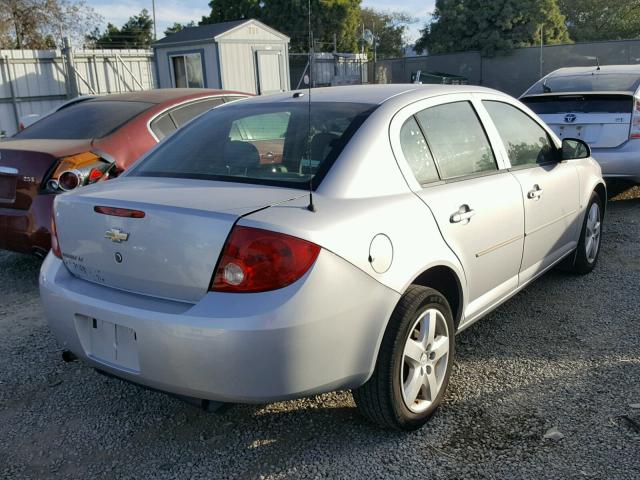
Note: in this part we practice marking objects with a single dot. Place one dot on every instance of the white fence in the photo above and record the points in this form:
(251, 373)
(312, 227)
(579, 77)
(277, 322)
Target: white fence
(36, 81)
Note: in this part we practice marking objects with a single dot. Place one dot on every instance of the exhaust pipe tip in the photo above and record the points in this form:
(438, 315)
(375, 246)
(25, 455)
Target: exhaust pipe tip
(68, 356)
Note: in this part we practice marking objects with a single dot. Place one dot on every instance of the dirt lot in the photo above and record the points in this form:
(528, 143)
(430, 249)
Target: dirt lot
(564, 353)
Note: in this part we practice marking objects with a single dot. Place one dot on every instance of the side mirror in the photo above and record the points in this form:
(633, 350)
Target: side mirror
(573, 149)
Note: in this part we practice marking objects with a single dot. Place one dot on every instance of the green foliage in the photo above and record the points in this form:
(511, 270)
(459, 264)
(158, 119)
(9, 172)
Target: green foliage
(492, 26)
(176, 27)
(136, 33)
(589, 20)
(389, 29)
(328, 17)
(41, 24)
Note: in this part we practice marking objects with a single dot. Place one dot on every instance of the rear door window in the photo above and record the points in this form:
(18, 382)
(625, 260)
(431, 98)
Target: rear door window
(526, 142)
(185, 113)
(457, 140)
(416, 152)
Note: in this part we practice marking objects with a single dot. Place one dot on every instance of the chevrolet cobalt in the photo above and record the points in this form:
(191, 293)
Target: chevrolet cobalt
(388, 219)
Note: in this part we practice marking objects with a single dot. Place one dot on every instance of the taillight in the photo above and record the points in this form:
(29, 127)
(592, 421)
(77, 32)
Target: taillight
(256, 260)
(77, 170)
(55, 245)
(634, 132)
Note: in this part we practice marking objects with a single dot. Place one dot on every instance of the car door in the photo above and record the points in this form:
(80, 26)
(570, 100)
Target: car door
(476, 202)
(550, 187)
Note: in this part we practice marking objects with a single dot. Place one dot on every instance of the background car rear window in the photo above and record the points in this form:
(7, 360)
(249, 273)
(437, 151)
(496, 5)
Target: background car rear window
(457, 140)
(416, 152)
(258, 143)
(526, 142)
(601, 82)
(89, 119)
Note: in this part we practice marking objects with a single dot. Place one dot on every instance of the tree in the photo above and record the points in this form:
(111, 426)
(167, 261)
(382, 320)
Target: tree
(589, 20)
(37, 24)
(176, 27)
(389, 29)
(228, 10)
(328, 17)
(492, 26)
(136, 33)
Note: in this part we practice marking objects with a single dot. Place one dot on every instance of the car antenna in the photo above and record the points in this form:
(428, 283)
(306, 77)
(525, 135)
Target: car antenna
(311, 207)
(598, 63)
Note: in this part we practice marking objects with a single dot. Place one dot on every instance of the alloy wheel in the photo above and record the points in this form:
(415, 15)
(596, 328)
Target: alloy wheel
(424, 360)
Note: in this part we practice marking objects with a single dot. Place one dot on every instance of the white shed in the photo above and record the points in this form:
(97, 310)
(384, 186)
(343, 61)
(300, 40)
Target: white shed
(243, 55)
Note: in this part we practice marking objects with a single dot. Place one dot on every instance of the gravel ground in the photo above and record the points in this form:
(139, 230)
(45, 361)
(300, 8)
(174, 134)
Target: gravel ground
(564, 353)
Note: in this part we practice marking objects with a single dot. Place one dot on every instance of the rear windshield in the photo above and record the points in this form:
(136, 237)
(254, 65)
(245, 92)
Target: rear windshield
(88, 119)
(580, 103)
(595, 82)
(269, 143)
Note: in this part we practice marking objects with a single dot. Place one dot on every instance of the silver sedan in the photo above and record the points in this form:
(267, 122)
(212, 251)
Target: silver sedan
(299, 243)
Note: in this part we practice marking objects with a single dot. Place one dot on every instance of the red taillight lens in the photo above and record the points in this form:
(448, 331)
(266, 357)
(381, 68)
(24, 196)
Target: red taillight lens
(634, 131)
(55, 245)
(256, 260)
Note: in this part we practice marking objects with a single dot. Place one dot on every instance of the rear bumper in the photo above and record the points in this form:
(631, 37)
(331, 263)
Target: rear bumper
(27, 231)
(320, 334)
(620, 162)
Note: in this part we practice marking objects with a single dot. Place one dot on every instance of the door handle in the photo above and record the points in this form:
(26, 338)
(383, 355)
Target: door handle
(463, 214)
(535, 193)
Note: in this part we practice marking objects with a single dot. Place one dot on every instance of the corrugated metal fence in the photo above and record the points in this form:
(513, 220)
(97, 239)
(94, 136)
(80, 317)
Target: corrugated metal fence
(512, 73)
(36, 81)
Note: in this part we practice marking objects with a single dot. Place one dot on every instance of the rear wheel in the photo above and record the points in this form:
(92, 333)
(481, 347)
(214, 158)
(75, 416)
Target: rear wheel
(588, 248)
(414, 363)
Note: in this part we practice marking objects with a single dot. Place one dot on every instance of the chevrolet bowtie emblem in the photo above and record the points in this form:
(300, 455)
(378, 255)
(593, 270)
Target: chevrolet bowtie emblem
(116, 235)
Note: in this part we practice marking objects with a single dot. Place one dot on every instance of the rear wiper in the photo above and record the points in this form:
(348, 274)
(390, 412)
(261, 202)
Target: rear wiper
(545, 88)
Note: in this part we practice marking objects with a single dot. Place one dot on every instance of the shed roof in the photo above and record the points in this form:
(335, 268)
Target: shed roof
(210, 32)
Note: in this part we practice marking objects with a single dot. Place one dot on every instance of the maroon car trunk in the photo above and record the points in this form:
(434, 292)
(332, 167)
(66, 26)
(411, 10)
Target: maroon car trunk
(25, 212)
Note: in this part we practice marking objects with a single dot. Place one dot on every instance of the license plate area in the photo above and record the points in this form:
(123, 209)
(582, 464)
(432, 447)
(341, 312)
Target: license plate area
(7, 188)
(109, 343)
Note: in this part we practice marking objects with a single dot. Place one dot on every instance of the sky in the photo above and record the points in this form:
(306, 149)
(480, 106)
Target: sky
(168, 12)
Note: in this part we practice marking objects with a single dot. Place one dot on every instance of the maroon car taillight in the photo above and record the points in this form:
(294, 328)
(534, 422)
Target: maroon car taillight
(77, 170)
(256, 260)
(55, 244)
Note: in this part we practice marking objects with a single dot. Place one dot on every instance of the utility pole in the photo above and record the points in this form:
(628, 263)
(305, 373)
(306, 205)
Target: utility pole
(153, 9)
(541, 47)
(72, 92)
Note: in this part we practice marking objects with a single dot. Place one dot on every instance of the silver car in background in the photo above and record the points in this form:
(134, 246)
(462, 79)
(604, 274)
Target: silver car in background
(599, 105)
(391, 218)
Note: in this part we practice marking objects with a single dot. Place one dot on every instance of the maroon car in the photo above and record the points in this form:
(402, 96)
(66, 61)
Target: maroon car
(81, 144)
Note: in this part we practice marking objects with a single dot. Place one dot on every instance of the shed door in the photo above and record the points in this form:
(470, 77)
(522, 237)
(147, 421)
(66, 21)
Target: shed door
(269, 74)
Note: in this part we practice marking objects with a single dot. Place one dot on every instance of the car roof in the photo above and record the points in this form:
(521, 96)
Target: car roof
(162, 95)
(593, 70)
(371, 94)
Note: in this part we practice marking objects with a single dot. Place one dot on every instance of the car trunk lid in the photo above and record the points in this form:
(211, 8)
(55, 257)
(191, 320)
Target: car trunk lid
(169, 253)
(601, 119)
(25, 164)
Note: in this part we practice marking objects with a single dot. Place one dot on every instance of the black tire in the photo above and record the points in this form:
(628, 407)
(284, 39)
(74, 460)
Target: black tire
(582, 264)
(380, 399)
